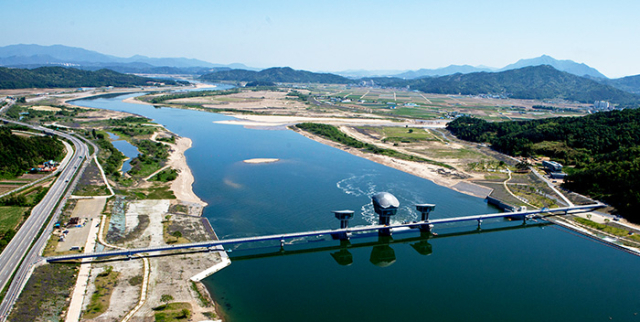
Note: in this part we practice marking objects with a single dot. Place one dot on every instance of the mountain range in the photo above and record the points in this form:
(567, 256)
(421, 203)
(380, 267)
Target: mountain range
(568, 66)
(540, 78)
(31, 56)
(532, 82)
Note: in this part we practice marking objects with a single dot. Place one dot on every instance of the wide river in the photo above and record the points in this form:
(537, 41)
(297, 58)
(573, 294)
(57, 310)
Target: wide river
(505, 272)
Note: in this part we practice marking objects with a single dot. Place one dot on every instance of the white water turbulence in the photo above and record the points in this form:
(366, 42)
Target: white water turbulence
(365, 186)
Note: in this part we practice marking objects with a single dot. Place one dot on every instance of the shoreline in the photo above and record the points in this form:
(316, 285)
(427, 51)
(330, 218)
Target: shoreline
(182, 186)
(421, 170)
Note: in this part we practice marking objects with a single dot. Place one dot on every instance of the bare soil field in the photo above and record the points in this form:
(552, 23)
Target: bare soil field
(265, 101)
(169, 275)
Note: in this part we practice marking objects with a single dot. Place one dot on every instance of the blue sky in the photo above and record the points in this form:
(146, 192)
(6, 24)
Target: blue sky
(339, 35)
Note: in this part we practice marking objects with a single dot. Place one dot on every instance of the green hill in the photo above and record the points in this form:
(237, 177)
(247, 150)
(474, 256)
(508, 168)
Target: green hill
(602, 148)
(18, 154)
(629, 84)
(275, 75)
(56, 77)
(537, 82)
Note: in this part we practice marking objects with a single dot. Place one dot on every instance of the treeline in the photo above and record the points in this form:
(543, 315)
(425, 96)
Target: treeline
(275, 75)
(54, 77)
(604, 149)
(167, 97)
(19, 154)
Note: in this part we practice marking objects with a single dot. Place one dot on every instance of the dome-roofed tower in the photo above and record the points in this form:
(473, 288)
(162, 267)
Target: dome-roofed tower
(385, 205)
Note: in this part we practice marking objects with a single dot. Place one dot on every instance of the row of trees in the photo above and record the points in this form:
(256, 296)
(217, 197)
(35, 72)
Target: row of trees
(167, 97)
(604, 149)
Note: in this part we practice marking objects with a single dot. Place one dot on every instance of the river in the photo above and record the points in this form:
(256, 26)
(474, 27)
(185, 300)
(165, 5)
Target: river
(505, 272)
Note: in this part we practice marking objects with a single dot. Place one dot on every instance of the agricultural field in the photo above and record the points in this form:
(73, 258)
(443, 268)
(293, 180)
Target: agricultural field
(10, 217)
(411, 104)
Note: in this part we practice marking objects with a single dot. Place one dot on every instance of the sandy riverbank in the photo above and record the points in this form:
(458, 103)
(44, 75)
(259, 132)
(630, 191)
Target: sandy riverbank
(422, 170)
(279, 120)
(182, 186)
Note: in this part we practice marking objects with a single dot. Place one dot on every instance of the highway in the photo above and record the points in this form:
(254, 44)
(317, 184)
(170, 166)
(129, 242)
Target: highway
(14, 253)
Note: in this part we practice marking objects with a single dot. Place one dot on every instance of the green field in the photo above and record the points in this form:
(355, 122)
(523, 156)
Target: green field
(10, 217)
(414, 113)
(402, 134)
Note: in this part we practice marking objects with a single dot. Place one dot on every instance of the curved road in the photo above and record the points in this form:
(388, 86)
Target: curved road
(13, 254)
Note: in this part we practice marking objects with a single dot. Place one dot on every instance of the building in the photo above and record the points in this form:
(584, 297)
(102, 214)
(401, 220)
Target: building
(552, 166)
(558, 175)
(601, 105)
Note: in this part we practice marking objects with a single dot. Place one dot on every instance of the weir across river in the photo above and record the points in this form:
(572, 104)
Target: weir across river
(342, 233)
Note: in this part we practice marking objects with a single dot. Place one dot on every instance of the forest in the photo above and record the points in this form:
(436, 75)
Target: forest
(602, 150)
(19, 154)
(60, 77)
(276, 75)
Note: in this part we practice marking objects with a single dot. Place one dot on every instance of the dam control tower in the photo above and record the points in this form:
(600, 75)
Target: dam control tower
(385, 205)
(425, 209)
(344, 216)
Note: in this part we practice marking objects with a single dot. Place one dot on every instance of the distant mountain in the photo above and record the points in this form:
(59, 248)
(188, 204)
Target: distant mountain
(360, 73)
(562, 65)
(449, 70)
(60, 77)
(55, 53)
(534, 82)
(36, 55)
(276, 75)
(568, 66)
(629, 84)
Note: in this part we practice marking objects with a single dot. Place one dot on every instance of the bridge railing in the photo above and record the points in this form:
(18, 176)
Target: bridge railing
(283, 237)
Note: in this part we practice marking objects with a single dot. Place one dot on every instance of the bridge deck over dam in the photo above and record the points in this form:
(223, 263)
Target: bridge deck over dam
(213, 244)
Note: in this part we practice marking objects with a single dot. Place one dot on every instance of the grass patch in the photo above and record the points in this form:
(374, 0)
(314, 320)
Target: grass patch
(136, 280)
(44, 297)
(204, 301)
(606, 228)
(402, 134)
(179, 311)
(92, 190)
(180, 208)
(172, 236)
(10, 217)
(161, 192)
(165, 175)
(105, 283)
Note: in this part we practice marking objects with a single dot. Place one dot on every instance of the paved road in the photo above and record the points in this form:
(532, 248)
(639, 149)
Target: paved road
(14, 252)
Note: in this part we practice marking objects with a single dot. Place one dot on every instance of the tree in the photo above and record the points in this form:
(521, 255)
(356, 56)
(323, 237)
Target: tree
(166, 298)
(522, 165)
(185, 314)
